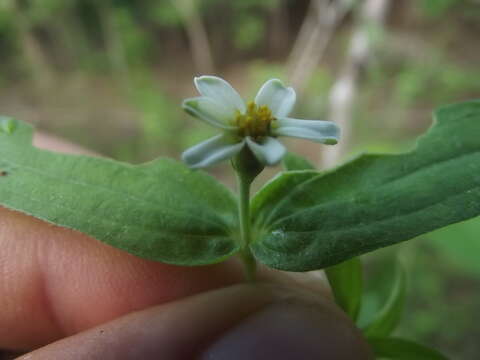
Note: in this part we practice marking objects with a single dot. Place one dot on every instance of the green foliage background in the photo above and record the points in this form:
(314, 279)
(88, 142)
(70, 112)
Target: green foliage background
(110, 75)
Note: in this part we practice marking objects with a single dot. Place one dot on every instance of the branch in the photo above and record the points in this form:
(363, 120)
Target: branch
(313, 38)
(41, 70)
(343, 93)
(197, 35)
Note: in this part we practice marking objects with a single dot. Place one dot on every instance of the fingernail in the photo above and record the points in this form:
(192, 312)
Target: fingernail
(290, 331)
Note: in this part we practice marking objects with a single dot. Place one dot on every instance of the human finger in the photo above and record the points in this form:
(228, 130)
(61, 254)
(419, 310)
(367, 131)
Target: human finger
(245, 321)
(56, 282)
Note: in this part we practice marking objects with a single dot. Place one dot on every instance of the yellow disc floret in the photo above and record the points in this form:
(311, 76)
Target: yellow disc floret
(255, 122)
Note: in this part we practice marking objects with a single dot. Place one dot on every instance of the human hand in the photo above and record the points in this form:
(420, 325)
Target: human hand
(72, 297)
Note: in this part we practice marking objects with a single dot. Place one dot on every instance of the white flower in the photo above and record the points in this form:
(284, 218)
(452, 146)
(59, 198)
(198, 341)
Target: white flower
(255, 125)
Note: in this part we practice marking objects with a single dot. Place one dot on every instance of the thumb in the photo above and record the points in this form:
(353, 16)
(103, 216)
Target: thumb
(245, 321)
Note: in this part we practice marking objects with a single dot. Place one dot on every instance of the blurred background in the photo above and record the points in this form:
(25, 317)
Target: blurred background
(110, 75)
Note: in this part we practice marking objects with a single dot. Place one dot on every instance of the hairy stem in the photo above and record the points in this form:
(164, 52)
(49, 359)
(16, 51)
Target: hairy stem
(245, 232)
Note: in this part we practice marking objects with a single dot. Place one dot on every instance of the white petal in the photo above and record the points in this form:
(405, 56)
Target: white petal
(325, 132)
(220, 91)
(277, 97)
(209, 111)
(211, 151)
(269, 152)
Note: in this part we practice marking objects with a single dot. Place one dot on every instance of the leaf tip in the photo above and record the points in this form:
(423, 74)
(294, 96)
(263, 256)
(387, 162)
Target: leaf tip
(8, 125)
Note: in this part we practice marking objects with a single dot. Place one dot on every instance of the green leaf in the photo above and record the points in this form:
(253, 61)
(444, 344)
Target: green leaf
(390, 315)
(400, 349)
(346, 281)
(293, 161)
(158, 210)
(305, 220)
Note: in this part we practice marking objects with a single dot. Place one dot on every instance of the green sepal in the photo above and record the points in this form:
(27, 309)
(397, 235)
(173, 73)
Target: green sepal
(159, 210)
(246, 164)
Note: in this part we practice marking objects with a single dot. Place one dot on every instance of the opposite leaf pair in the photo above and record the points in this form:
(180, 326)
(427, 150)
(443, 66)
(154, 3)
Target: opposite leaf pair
(301, 220)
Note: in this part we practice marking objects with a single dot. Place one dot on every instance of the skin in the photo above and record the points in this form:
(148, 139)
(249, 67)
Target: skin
(70, 296)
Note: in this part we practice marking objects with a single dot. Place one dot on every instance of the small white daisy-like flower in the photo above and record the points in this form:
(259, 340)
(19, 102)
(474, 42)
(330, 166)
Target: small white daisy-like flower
(255, 125)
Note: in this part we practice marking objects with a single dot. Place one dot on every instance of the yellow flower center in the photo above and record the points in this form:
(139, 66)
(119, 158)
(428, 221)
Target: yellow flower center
(256, 121)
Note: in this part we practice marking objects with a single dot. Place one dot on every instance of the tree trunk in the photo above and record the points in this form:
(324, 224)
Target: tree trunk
(313, 38)
(279, 35)
(197, 35)
(343, 93)
(40, 67)
(115, 47)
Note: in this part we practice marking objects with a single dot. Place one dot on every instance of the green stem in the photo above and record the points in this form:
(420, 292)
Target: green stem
(245, 232)
(247, 168)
